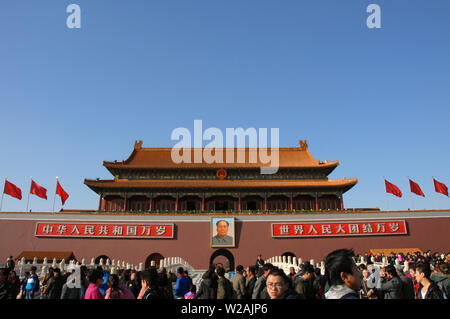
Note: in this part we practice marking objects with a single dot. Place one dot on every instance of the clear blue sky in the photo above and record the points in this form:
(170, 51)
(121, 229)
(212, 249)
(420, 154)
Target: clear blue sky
(377, 100)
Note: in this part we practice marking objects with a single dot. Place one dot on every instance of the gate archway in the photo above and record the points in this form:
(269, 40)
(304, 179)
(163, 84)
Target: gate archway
(156, 257)
(225, 253)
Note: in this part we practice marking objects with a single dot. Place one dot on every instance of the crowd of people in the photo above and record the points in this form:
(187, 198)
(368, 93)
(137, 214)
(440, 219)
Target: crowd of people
(427, 277)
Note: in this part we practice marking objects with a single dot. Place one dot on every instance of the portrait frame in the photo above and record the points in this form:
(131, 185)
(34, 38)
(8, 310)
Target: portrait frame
(231, 232)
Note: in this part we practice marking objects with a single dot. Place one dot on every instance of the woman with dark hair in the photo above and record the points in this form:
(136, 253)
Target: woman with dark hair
(206, 289)
(134, 284)
(117, 290)
(95, 278)
(150, 285)
(165, 284)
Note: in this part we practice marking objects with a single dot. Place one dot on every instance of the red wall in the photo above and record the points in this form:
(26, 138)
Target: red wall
(191, 242)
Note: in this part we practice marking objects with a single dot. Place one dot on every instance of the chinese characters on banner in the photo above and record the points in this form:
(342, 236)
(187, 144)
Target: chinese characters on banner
(303, 230)
(105, 230)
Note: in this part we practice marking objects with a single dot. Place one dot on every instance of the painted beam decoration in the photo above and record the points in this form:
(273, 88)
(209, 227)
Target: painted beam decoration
(96, 230)
(356, 228)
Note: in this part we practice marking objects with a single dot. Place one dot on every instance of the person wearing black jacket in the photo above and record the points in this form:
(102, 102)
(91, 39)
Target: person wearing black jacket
(427, 289)
(250, 285)
(55, 285)
(407, 284)
(391, 285)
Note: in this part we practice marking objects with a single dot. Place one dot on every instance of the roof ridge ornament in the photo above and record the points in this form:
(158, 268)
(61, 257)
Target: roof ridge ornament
(138, 145)
(303, 145)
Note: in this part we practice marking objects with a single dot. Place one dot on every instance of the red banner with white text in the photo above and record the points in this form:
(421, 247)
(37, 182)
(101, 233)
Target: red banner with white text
(118, 231)
(357, 228)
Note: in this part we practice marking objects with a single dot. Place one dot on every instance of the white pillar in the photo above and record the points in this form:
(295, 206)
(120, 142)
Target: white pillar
(283, 259)
(294, 261)
(311, 261)
(300, 261)
(141, 266)
(83, 262)
(93, 262)
(289, 259)
(35, 261)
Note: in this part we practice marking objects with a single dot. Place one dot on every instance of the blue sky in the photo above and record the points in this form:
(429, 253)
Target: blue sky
(377, 100)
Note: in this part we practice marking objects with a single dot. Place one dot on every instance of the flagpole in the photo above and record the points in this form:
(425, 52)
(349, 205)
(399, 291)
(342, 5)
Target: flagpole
(28, 200)
(410, 194)
(3, 194)
(436, 196)
(387, 199)
(54, 198)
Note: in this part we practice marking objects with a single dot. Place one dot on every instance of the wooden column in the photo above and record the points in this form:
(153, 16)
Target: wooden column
(317, 202)
(150, 206)
(265, 201)
(100, 203)
(176, 203)
(239, 202)
(125, 203)
(203, 202)
(342, 202)
(291, 205)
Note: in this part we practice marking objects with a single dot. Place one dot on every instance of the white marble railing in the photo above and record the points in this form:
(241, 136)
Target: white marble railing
(42, 268)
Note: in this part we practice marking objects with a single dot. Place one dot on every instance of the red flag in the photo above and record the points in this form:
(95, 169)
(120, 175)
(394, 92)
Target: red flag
(38, 190)
(440, 187)
(415, 188)
(12, 190)
(60, 191)
(391, 188)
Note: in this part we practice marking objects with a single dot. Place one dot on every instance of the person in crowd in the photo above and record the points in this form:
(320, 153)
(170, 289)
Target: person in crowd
(183, 284)
(171, 276)
(191, 293)
(206, 289)
(279, 286)
(32, 284)
(117, 290)
(259, 262)
(23, 285)
(427, 289)
(6, 289)
(224, 286)
(96, 280)
(123, 277)
(391, 285)
(104, 286)
(150, 286)
(14, 280)
(412, 276)
(319, 284)
(55, 284)
(10, 264)
(258, 291)
(70, 290)
(407, 283)
(188, 277)
(442, 279)
(303, 282)
(342, 275)
(250, 284)
(364, 289)
(238, 283)
(134, 284)
(292, 273)
(84, 281)
(44, 293)
(165, 284)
